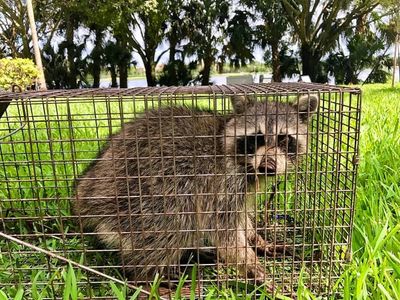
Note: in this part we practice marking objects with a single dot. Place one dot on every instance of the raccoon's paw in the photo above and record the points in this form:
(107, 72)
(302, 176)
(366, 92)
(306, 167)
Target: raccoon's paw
(278, 250)
(271, 249)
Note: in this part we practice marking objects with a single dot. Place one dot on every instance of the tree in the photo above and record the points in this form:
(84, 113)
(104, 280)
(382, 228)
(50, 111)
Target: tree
(97, 24)
(288, 62)
(96, 56)
(14, 38)
(208, 20)
(393, 9)
(272, 31)
(110, 60)
(363, 50)
(136, 26)
(58, 69)
(178, 28)
(318, 24)
(240, 36)
(176, 73)
(362, 47)
(151, 25)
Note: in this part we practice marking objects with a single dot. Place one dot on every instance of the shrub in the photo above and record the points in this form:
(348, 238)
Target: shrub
(18, 71)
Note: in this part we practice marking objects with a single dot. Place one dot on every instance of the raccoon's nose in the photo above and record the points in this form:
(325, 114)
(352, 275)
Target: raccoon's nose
(270, 170)
(270, 167)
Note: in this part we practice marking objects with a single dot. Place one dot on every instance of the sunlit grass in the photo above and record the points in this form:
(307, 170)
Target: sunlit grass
(375, 269)
(374, 272)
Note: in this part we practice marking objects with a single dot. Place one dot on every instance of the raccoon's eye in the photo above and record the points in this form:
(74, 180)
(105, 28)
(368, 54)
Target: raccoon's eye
(248, 144)
(288, 143)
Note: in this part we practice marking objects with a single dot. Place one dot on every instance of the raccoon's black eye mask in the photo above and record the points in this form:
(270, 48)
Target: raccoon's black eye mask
(287, 143)
(249, 144)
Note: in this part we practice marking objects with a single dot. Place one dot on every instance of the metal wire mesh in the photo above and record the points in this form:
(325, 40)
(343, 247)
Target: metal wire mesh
(172, 190)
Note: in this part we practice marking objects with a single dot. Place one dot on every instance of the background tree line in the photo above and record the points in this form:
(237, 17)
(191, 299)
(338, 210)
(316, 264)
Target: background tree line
(80, 38)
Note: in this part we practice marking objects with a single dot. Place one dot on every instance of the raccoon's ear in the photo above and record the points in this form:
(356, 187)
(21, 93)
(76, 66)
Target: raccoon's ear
(307, 105)
(242, 102)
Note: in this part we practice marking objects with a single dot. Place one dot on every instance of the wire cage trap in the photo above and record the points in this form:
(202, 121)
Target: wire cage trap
(185, 184)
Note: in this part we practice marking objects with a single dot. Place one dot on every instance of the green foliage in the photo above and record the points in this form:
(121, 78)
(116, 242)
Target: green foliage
(207, 32)
(176, 73)
(318, 27)
(289, 62)
(19, 71)
(364, 49)
(271, 33)
(240, 35)
(59, 73)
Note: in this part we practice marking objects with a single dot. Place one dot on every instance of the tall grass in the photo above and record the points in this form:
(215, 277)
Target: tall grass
(375, 269)
(374, 272)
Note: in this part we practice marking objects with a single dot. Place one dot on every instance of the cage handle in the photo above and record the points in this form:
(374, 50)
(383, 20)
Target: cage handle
(3, 107)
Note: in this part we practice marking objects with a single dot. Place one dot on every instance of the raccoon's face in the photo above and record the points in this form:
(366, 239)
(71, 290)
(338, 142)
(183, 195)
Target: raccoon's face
(267, 138)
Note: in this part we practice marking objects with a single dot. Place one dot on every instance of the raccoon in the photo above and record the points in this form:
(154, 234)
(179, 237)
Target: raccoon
(176, 179)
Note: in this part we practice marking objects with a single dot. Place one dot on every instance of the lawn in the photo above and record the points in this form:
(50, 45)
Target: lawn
(374, 272)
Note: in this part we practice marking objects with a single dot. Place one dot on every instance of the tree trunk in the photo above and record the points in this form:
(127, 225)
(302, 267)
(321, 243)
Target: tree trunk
(276, 64)
(395, 59)
(38, 58)
(96, 56)
(113, 72)
(150, 72)
(123, 75)
(172, 50)
(149, 64)
(123, 66)
(71, 77)
(206, 71)
(310, 62)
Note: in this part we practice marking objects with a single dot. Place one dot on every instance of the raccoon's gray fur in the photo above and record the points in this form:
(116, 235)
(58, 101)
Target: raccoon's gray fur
(175, 179)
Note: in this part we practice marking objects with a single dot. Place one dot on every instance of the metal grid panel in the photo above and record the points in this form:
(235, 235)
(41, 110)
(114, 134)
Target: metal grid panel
(50, 140)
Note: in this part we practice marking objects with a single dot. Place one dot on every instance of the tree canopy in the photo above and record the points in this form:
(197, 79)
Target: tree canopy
(185, 39)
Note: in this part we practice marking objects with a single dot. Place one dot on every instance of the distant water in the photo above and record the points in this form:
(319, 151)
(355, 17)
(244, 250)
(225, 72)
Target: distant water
(221, 79)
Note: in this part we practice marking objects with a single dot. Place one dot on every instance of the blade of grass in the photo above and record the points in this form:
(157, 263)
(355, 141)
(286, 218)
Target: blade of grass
(136, 294)
(394, 262)
(384, 291)
(3, 295)
(117, 292)
(193, 284)
(154, 287)
(178, 291)
(35, 293)
(361, 281)
(20, 294)
(74, 286)
(67, 286)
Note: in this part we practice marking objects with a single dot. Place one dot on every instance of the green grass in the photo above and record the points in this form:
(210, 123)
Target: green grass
(374, 272)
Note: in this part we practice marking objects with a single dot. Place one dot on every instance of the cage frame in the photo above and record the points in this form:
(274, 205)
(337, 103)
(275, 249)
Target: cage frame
(151, 94)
